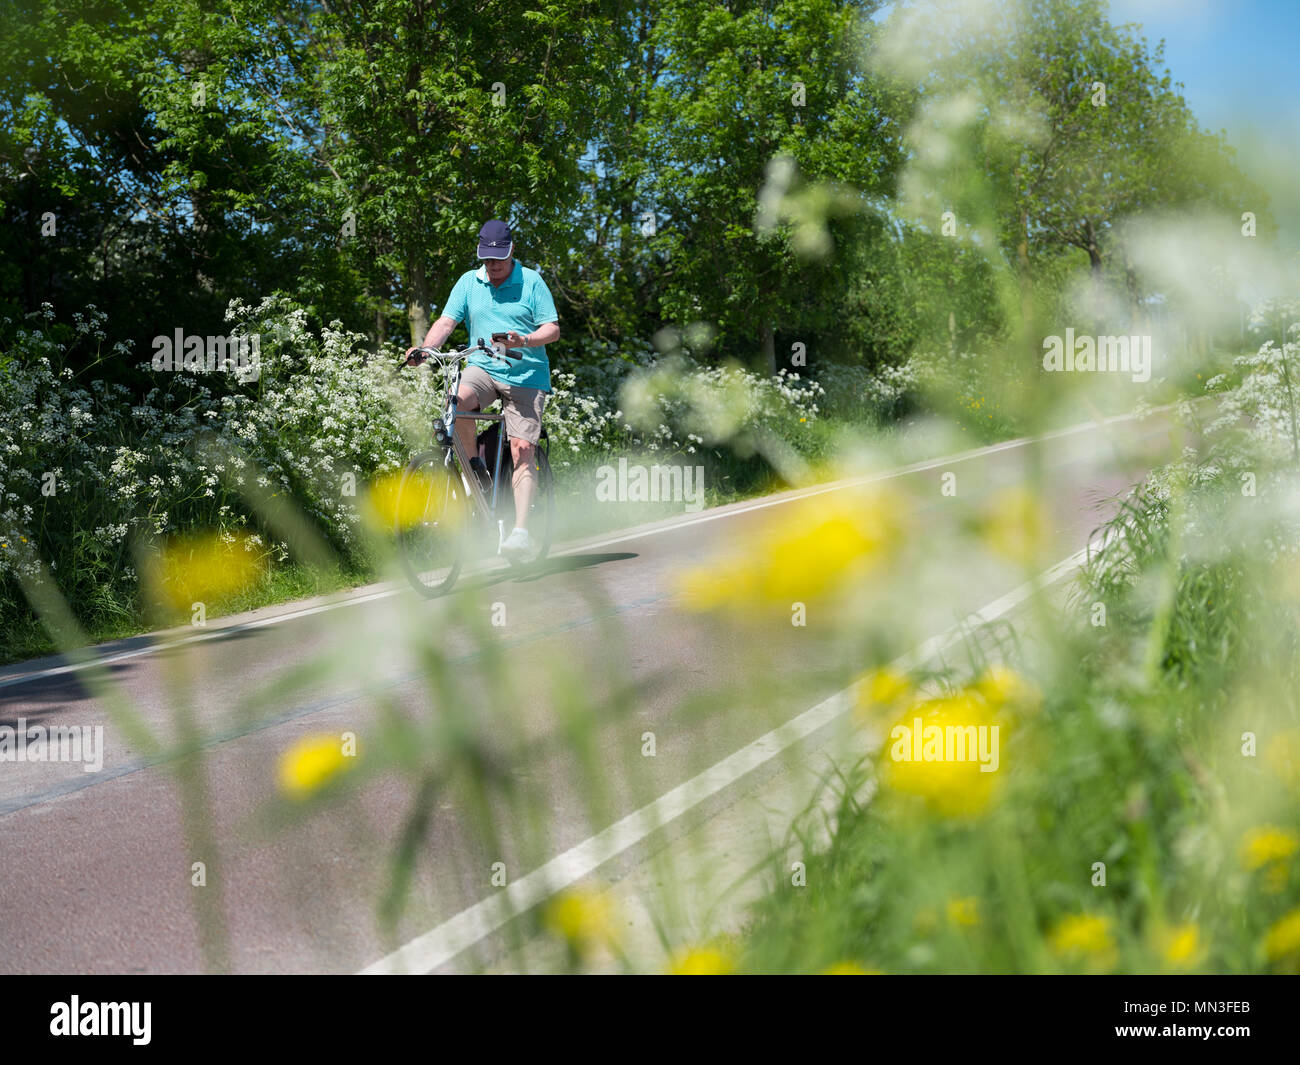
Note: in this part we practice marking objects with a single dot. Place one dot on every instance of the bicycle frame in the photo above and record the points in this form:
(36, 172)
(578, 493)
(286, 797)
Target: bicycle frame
(451, 414)
(432, 554)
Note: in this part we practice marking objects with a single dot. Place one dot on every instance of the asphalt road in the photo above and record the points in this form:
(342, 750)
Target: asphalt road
(96, 868)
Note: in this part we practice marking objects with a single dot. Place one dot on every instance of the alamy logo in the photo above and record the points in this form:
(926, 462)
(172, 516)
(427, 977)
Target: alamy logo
(58, 743)
(1105, 354)
(196, 354)
(946, 743)
(653, 484)
(102, 1018)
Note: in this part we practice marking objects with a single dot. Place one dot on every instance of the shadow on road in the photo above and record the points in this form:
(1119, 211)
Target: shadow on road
(547, 568)
(42, 694)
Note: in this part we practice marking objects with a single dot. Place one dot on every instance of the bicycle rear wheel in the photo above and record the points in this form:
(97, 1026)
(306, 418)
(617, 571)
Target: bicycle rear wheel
(432, 513)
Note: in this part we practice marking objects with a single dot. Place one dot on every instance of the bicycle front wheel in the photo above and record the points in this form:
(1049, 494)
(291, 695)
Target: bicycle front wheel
(432, 513)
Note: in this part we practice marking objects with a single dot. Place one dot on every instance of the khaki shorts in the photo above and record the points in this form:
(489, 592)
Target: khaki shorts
(522, 406)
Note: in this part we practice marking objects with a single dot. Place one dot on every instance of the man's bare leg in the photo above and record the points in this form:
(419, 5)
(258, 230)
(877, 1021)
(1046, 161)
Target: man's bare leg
(524, 481)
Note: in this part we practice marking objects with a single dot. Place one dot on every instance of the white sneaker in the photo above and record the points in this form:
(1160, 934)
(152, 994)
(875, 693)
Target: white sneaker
(518, 545)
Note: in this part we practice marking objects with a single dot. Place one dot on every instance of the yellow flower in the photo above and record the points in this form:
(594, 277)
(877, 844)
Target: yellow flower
(851, 968)
(818, 546)
(311, 763)
(887, 686)
(399, 500)
(1002, 686)
(705, 588)
(1282, 757)
(201, 568)
(1282, 942)
(1265, 845)
(1084, 937)
(964, 912)
(1181, 946)
(1016, 525)
(701, 961)
(940, 749)
(583, 917)
(880, 688)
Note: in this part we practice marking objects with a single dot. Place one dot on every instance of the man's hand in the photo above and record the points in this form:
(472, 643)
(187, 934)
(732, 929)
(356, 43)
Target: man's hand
(514, 340)
(414, 356)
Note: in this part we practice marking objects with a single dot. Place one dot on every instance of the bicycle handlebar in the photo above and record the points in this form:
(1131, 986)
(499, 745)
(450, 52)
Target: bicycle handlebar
(464, 349)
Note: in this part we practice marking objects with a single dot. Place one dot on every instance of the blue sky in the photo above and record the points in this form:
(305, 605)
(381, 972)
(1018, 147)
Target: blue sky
(1239, 60)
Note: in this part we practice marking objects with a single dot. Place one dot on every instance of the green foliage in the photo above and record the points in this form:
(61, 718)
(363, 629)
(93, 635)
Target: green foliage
(1164, 747)
(1147, 778)
(93, 476)
(1067, 126)
(768, 170)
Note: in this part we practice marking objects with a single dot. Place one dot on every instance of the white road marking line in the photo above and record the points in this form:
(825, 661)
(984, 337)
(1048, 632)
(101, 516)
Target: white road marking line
(839, 486)
(442, 943)
(216, 634)
(721, 512)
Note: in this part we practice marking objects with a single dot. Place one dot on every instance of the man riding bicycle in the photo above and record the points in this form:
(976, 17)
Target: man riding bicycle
(503, 297)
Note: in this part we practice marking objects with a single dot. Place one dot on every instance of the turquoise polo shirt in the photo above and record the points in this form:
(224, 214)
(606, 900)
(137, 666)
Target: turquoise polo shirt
(520, 303)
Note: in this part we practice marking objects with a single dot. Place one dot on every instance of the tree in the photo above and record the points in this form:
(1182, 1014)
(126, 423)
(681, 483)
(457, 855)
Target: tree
(1070, 129)
(437, 116)
(751, 94)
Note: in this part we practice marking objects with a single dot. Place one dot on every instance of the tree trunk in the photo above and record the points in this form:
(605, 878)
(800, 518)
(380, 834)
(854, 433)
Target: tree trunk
(1026, 284)
(767, 341)
(1137, 320)
(1094, 262)
(199, 207)
(417, 303)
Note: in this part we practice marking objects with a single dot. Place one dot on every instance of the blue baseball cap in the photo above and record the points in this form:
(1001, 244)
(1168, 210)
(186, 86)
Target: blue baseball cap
(495, 240)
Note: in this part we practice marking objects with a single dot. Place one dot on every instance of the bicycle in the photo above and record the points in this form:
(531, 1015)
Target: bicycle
(441, 498)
